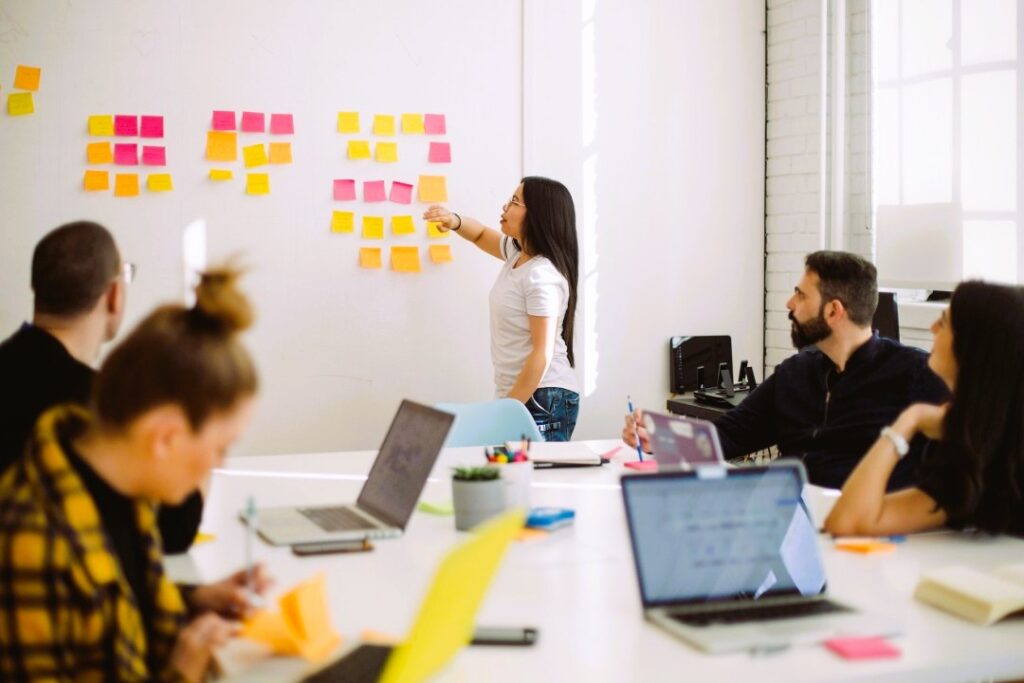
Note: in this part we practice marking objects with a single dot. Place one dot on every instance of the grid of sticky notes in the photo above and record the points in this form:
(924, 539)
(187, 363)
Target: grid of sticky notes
(26, 80)
(371, 142)
(223, 142)
(136, 141)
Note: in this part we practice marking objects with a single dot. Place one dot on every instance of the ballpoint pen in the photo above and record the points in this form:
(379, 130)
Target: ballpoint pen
(250, 522)
(636, 429)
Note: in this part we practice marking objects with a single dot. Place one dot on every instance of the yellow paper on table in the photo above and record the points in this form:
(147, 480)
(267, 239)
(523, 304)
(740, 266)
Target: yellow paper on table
(405, 259)
(96, 180)
(402, 225)
(280, 152)
(20, 104)
(101, 124)
(204, 537)
(373, 227)
(27, 77)
(434, 232)
(257, 183)
(343, 221)
(348, 122)
(358, 149)
(370, 257)
(99, 153)
(303, 626)
(254, 155)
(383, 124)
(412, 123)
(386, 151)
(221, 174)
(159, 182)
(271, 629)
(433, 188)
(221, 146)
(126, 184)
(441, 253)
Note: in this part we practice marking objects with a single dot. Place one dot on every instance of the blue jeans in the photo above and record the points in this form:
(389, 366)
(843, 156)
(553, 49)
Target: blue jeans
(555, 411)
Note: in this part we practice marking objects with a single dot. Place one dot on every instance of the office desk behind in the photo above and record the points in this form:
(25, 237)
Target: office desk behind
(686, 404)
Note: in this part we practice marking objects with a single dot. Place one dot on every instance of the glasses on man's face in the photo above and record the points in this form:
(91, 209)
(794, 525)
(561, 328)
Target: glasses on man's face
(128, 271)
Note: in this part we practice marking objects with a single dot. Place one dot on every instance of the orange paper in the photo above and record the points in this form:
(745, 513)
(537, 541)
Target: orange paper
(221, 146)
(99, 153)
(441, 253)
(370, 257)
(27, 77)
(280, 152)
(126, 184)
(96, 180)
(405, 259)
(433, 188)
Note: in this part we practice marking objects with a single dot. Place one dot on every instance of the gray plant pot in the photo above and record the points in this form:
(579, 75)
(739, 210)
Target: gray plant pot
(476, 501)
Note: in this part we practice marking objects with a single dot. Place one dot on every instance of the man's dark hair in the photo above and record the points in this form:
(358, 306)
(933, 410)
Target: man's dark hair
(850, 279)
(71, 268)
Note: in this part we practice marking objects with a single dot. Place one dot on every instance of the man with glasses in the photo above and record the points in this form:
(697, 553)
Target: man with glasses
(79, 283)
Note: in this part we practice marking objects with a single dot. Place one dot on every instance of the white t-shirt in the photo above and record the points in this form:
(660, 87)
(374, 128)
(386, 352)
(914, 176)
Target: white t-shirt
(534, 288)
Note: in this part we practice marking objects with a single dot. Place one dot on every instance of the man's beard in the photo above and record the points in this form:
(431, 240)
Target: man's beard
(810, 332)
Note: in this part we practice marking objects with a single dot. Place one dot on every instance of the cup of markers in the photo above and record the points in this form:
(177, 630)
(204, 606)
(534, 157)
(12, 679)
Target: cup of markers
(516, 470)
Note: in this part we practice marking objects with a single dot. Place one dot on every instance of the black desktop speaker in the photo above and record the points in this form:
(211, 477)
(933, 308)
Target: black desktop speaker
(687, 354)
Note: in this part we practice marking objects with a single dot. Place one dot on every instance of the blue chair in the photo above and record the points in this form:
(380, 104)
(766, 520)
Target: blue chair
(489, 423)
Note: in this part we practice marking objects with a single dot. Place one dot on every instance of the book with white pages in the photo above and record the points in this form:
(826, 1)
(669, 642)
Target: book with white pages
(983, 597)
(564, 454)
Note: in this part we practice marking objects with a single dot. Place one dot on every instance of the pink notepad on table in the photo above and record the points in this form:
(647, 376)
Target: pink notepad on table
(863, 648)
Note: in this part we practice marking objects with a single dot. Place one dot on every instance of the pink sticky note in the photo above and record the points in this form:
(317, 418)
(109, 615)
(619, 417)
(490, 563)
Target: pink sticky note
(344, 190)
(126, 125)
(252, 122)
(373, 191)
(152, 127)
(862, 648)
(223, 120)
(282, 124)
(440, 153)
(154, 156)
(126, 154)
(433, 124)
(401, 193)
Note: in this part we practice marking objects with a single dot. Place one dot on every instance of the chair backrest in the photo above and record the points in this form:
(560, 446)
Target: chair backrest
(489, 423)
(887, 318)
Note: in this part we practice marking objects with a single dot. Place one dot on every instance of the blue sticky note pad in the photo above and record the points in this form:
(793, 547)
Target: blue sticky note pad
(550, 518)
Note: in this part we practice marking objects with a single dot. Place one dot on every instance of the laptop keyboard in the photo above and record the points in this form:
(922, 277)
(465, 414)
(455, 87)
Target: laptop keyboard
(811, 608)
(363, 665)
(336, 519)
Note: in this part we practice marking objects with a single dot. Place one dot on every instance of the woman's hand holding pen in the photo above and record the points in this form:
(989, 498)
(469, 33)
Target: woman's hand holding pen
(634, 428)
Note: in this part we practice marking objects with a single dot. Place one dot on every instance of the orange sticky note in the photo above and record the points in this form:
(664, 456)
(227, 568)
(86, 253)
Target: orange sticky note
(864, 546)
(373, 227)
(221, 146)
(434, 232)
(101, 124)
(257, 183)
(383, 124)
(412, 123)
(272, 630)
(99, 153)
(254, 155)
(20, 104)
(343, 221)
(27, 77)
(96, 180)
(280, 152)
(159, 182)
(358, 149)
(221, 174)
(369, 257)
(386, 151)
(441, 253)
(433, 188)
(126, 184)
(405, 259)
(402, 225)
(348, 122)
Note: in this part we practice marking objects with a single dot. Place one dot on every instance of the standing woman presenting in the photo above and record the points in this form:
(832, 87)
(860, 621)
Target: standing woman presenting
(533, 301)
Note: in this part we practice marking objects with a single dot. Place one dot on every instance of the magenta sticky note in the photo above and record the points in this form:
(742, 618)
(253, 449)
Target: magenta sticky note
(282, 124)
(440, 153)
(401, 193)
(126, 125)
(344, 190)
(154, 156)
(223, 120)
(152, 127)
(373, 191)
(253, 122)
(862, 648)
(126, 154)
(433, 124)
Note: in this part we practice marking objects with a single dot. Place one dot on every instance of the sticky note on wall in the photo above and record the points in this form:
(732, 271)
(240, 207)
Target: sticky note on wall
(383, 124)
(126, 154)
(440, 153)
(254, 155)
(257, 183)
(342, 221)
(358, 149)
(434, 124)
(126, 185)
(370, 257)
(253, 122)
(344, 190)
(373, 191)
(282, 124)
(348, 122)
(96, 180)
(221, 174)
(433, 188)
(99, 153)
(127, 126)
(280, 152)
(221, 146)
(151, 127)
(405, 259)
(101, 124)
(412, 123)
(386, 152)
(27, 77)
(441, 253)
(20, 104)
(373, 227)
(154, 156)
(223, 120)
(402, 225)
(434, 232)
(159, 182)
(401, 193)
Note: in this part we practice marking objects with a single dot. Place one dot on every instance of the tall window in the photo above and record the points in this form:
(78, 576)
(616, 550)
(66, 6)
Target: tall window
(945, 122)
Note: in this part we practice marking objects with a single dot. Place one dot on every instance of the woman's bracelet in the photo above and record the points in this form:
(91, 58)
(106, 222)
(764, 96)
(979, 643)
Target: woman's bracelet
(456, 229)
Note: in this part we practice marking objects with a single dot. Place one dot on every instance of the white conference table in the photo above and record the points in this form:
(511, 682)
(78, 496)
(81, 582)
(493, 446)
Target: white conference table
(579, 588)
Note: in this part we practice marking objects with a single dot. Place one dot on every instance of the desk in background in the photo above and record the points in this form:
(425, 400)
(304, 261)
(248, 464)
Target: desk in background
(686, 404)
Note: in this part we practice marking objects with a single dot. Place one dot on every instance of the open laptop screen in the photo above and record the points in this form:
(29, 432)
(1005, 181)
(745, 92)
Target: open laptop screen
(717, 534)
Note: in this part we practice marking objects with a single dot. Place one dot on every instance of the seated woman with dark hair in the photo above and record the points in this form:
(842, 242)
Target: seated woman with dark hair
(973, 476)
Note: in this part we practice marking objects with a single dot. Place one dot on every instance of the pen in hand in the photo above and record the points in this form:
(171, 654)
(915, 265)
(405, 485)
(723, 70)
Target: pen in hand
(636, 429)
(255, 600)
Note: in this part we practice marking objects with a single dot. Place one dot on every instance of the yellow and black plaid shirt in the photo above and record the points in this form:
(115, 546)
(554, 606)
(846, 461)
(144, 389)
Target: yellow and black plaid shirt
(67, 612)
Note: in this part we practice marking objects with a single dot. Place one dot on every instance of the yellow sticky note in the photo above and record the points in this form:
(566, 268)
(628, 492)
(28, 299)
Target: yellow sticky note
(434, 232)
(412, 123)
(221, 174)
(126, 184)
(280, 152)
(101, 124)
(402, 225)
(27, 77)
(369, 257)
(96, 180)
(387, 151)
(303, 625)
(221, 146)
(99, 153)
(257, 183)
(254, 155)
(270, 629)
(441, 253)
(405, 259)
(358, 149)
(203, 537)
(373, 227)
(20, 103)
(343, 221)
(159, 182)
(383, 124)
(433, 188)
(348, 122)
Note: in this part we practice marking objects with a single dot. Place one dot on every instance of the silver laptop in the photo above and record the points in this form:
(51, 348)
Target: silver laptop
(389, 495)
(727, 559)
(683, 441)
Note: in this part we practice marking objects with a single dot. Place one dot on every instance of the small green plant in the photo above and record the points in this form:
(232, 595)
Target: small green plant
(476, 473)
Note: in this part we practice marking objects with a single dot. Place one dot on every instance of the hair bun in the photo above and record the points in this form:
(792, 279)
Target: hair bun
(220, 302)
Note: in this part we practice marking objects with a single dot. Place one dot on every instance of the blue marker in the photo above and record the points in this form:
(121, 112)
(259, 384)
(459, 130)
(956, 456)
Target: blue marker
(636, 430)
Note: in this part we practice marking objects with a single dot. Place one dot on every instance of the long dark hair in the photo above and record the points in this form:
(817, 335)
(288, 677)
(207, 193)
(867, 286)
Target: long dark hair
(550, 231)
(978, 466)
